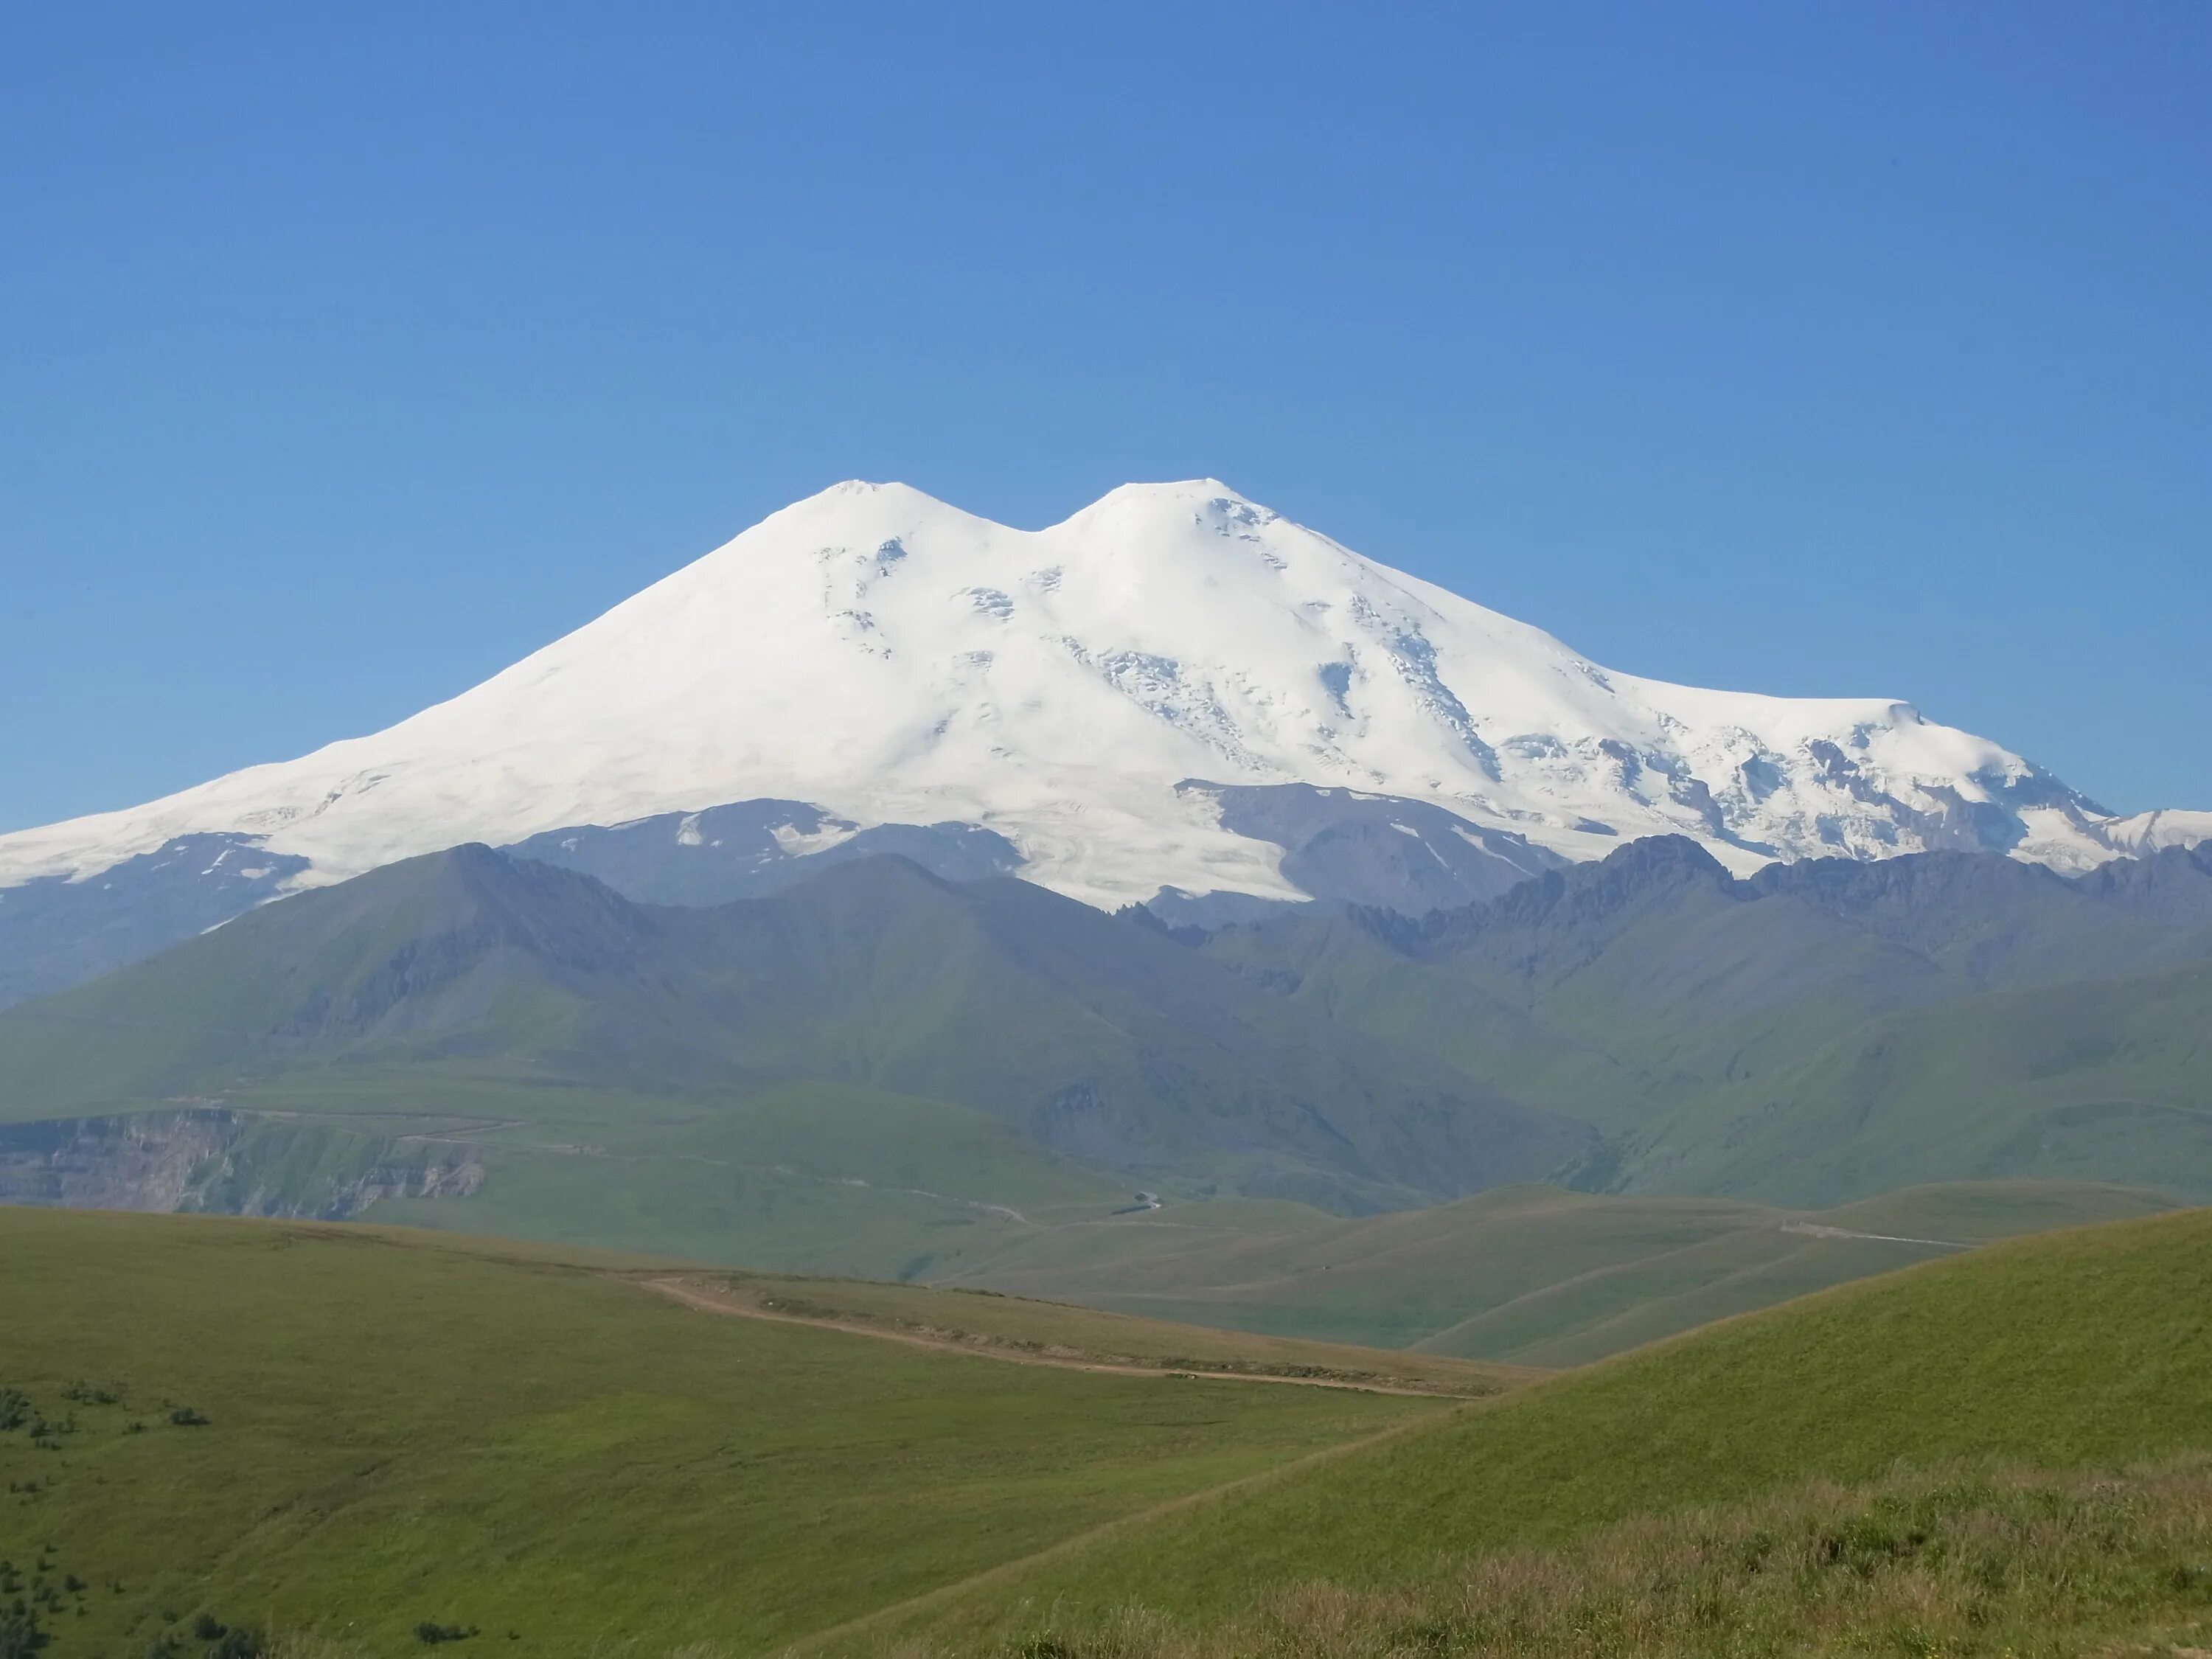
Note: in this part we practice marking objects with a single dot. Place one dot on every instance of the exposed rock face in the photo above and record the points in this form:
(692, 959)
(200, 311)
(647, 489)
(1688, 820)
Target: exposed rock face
(1353, 846)
(210, 1157)
(749, 848)
(144, 1161)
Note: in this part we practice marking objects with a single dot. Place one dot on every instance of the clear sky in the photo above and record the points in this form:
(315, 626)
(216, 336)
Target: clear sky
(349, 353)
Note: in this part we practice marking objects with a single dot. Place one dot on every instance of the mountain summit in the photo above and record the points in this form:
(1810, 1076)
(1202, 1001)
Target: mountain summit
(1175, 689)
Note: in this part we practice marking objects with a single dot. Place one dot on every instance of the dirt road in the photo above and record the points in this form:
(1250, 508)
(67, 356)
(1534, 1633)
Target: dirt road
(705, 1299)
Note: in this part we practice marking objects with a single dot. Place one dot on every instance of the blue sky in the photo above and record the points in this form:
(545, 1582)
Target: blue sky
(346, 354)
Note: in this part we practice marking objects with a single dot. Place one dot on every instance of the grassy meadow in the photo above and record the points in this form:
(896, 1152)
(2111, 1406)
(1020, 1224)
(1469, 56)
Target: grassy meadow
(1021, 1328)
(364, 1441)
(2082, 1350)
(808, 1177)
(2005, 1565)
(350, 1432)
(1530, 1275)
(840, 1179)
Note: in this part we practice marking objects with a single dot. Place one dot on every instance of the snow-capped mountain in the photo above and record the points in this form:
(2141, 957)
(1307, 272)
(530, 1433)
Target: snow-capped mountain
(1132, 700)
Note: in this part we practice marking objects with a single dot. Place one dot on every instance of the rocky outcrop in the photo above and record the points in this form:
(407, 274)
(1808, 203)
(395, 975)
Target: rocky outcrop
(209, 1157)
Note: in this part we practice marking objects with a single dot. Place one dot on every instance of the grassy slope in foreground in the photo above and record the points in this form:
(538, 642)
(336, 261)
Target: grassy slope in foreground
(406, 1428)
(1947, 1565)
(2083, 1348)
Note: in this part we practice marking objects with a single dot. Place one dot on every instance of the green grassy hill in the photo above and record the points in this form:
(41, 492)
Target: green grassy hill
(1823, 1032)
(346, 1433)
(1532, 1274)
(1819, 1034)
(2089, 1349)
(2110, 1080)
(843, 1179)
(881, 1074)
(357, 1431)
(805, 1176)
(809, 1177)
(1091, 1035)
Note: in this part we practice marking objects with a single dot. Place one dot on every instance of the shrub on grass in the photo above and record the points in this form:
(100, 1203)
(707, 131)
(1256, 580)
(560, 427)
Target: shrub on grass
(185, 1417)
(19, 1634)
(430, 1633)
(1952, 1564)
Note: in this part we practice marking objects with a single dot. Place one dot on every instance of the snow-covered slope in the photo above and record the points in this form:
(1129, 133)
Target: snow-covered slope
(2146, 833)
(888, 659)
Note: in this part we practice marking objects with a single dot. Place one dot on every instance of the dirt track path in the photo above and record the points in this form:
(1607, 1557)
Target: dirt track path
(1814, 1230)
(707, 1301)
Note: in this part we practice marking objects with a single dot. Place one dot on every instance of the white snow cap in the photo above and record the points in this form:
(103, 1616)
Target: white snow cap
(891, 658)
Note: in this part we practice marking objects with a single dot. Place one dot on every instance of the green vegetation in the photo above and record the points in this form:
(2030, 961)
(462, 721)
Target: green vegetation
(384, 1430)
(2010, 1564)
(1825, 1032)
(237, 1438)
(836, 1179)
(841, 1179)
(1055, 1332)
(882, 1073)
(1534, 1275)
(1976, 1212)
(803, 1177)
(2076, 1350)
(2106, 1080)
(1075, 1030)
